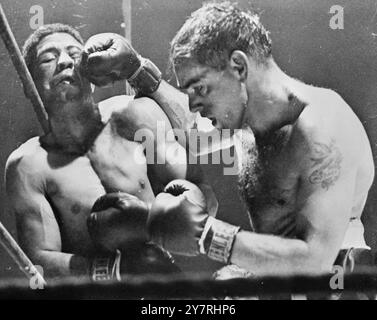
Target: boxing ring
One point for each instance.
(191, 286)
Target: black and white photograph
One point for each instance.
(195, 152)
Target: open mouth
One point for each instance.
(68, 81)
(65, 80)
(213, 121)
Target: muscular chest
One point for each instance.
(72, 188)
(75, 183)
(269, 186)
(120, 164)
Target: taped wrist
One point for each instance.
(106, 268)
(146, 79)
(217, 240)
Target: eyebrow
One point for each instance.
(192, 81)
(46, 49)
(51, 48)
(74, 47)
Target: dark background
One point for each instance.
(303, 45)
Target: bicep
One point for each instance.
(37, 227)
(167, 158)
(325, 213)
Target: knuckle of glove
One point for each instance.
(104, 202)
(172, 223)
(116, 219)
(189, 189)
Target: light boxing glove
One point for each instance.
(179, 222)
(177, 218)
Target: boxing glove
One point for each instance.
(147, 258)
(177, 218)
(117, 219)
(109, 57)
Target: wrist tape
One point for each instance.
(146, 79)
(106, 268)
(217, 239)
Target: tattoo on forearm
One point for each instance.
(326, 163)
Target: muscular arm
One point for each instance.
(166, 158)
(327, 189)
(175, 105)
(37, 228)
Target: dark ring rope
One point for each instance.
(22, 70)
(160, 287)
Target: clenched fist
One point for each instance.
(118, 219)
(177, 218)
(109, 57)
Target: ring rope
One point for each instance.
(190, 286)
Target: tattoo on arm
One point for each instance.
(326, 162)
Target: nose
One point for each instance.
(65, 61)
(194, 104)
(196, 108)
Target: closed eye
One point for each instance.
(47, 58)
(75, 54)
(200, 90)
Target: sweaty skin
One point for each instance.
(309, 183)
(306, 162)
(52, 192)
(53, 181)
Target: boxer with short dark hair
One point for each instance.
(81, 193)
(306, 166)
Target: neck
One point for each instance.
(75, 126)
(275, 100)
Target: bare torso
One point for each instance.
(73, 183)
(271, 182)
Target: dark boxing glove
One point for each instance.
(147, 258)
(116, 220)
(117, 225)
(177, 218)
(109, 57)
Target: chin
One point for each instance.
(69, 93)
(218, 126)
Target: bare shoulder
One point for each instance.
(27, 160)
(329, 134)
(112, 105)
(137, 114)
(328, 118)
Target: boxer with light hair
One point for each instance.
(307, 164)
(80, 195)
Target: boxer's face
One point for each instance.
(55, 73)
(215, 94)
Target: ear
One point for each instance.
(239, 64)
